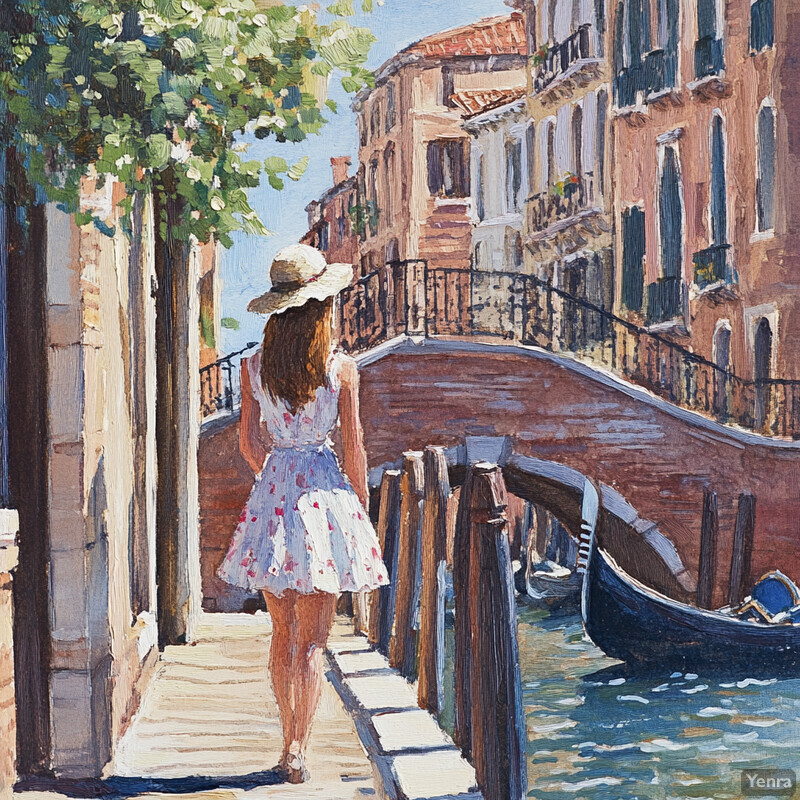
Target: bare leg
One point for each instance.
(314, 620)
(281, 660)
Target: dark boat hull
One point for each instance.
(628, 621)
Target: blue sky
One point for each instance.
(245, 266)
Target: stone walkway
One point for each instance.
(210, 712)
(208, 728)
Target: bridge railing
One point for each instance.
(220, 391)
(414, 298)
(427, 558)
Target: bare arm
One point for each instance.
(253, 438)
(353, 453)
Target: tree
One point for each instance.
(155, 92)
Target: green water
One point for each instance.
(596, 732)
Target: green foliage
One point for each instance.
(157, 93)
(363, 215)
(230, 322)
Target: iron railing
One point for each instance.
(557, 58)
(428, 301)
(547, 208)
(219, 384)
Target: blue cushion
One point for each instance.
(776, 592)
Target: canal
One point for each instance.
(596, 732)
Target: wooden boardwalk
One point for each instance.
(208, 727)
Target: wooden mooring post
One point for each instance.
(497, 715)
(403, 646)
(434, 580)
(462, 721)
(742, 547)
(382, 618)
(707, 569)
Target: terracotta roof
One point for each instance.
(486, 37)
(476, 101)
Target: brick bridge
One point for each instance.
(658, 456)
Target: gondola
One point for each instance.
(631, 622)
(553, 586)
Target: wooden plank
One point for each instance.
(709, 535)
(743, 535)
(388, 529)
(462, 722)
(434, 575)
(402, 651)
(498, 716)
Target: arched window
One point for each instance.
(530, 146)
(665, 297)
(765, 169)
(762, 371)
(577, 141)
(480, 191)
(721, 356)
(552, 176)
(513, 173)
(718, 206)
(600, 144)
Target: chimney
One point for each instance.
(340, 166)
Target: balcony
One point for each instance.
(564, 66)
(708, 57)
(548, 208)
(656, 74)
(665, 300)
(712, 266)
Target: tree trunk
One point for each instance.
(28, 461)
(173, 515)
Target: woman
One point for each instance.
(304, 534)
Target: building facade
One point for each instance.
(568, 221)
(705, 105)
(81, 461)
(496, 122)
(414, 175)
(332, 220)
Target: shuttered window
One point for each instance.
(448, 174)
(633, 246)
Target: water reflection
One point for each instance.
(597, 731)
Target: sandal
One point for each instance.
(296, 768)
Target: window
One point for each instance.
(664, 300)
(577, 141)
(391, 108)
(375, 120)
(600, 145)
(513, 173)
(765, 174)
(718, 206)
(362, 129)
(323, 237)
(552, 177)
(708, 55)
(373, 198)
(762, 24)
(530, 147)
(389, 184)
(633, 249)
(513, 248)
(480, 199)
(448, 175)
(448, 87)
(341, 229)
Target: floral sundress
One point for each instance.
(303, 526)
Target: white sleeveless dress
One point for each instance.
(303, 527)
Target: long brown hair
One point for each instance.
(295, 350)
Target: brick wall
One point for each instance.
(225, 483)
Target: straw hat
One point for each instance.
(300, 273)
